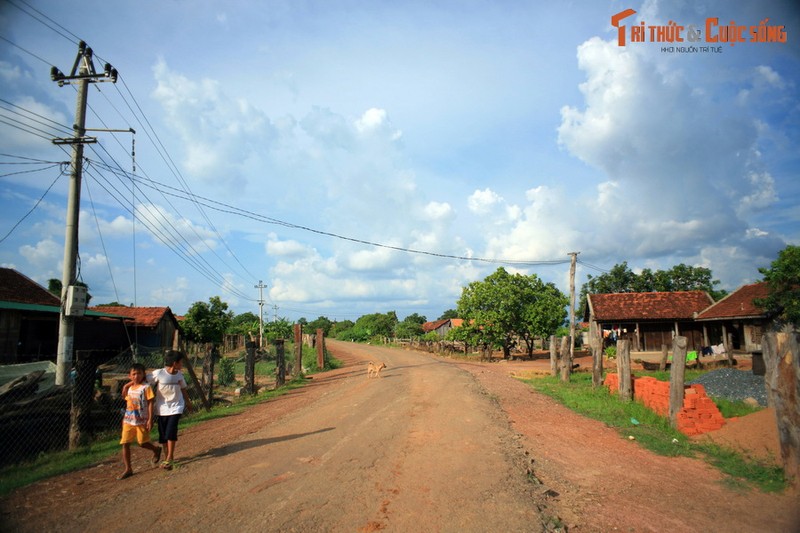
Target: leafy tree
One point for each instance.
(678, 278)
(450, 313)
(505, 307)
(322, 322)
(783, 278)
(410, 327)
(244, 324)
(207, 321)
(544, 310)
(339, 327)
(377, 324)
(278, 329)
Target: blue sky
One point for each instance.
(510, 132)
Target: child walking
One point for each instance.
(171, 401)
(138, 419)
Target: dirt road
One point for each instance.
(423, 448)
(434, 445)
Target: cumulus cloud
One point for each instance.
(220, 135)
(483, 202)
(650, 131)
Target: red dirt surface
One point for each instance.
(350, 454)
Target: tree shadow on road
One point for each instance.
(228, 449)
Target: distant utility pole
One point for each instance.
(260, 288)
(572, 304)
(83, 73)
(275, 315)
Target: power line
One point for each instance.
(230, 209)
(32, 209)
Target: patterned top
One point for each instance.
(136, 407)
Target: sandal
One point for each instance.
(166, 465)
(124, 475)
(156, 456)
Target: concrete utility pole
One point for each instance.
(572, 264)
(83, 73)
(260, 288)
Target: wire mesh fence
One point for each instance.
(37, 416)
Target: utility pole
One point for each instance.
(260, 288)
(275, 315)
(572, 264)
(83, 73)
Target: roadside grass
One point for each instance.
(107, 444)
(654, 432)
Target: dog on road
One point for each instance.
(374, 369)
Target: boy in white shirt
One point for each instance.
(171, 401)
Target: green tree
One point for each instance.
(783, 278)
(503, 308)
(410, 327)
(244, 324)
(678, 278)
(544, 310)
(322, 322)
(450, 313)
(278, 329)
(377, 324)
(339, 327)
(207, 321)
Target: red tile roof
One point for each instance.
(16, 287)
(147, 317)
(431, 326)
(633, 306)
(738, 304)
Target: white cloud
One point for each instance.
(46, 253)
(483, 202)
(221, 136)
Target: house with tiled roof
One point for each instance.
(736, 320)
(648, 319)
(29, 318)
(148, 327)
(441, 327)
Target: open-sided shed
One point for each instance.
(648, 319)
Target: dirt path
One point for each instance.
(425, 448)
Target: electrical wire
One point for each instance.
(32, 209)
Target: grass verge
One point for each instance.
(107, 445)
(654, 432)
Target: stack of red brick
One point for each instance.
(698, 415)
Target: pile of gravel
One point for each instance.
(733, 385)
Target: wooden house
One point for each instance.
(647, 319)
(29, 318)
(441, 327)
(736, 320)
(146, 327)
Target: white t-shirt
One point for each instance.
(169, 398)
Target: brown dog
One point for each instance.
(374, 369)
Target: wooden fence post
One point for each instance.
(566, 360)
(187, 364)
(80, 419)
(298, 349)
(280, 363)
(553, 356)
(250, 366)
(676, 379)
(664, 354)
(597, 361)
(624, 369)
(782, 359)
(320, 350)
